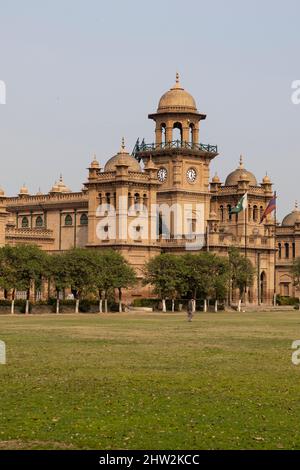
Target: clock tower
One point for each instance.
(182, 161)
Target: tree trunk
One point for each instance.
(216, 306)
(100, 305)
(194, 306)
(27, 307)
(12, 307)
(57, 305)
(164, 308)
(173, 305)
(120, 300)
(299, 303)
(239, 305)
(105, 306)
(77, 306)
(205, 306)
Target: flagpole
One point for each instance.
(245, 230)
(275, 250)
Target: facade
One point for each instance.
(126, 204)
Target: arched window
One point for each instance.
(287, 250)
(177, 131)
(160, 224)
(261, 212)
(279, 250)
(39, 221)
(83, 219)
(222, 213)
(107, 198)
(191, 134)
(163, 134)
(25, 222)
(249, 213)
(229, 212)
(255, 213)
(68, 220)
(294, 250)
(137, 201)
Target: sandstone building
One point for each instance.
(172, 171)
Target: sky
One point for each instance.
(81, 74)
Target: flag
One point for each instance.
(241, 205)
(269, 209)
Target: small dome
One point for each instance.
(62, 188)
(23, 190)
(216, 179)
(122, 158)
(95, 163)
(240, 174)
(293, 217)
(177, 100)
(2, 193)
(266, 179)
(55, 188)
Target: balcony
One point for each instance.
(141, 147)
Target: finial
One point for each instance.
(296, 205)
(177, 77)
(61, 178)
(94, 157)
(123, 145)
(241, 161)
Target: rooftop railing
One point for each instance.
(174, 144)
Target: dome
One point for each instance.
(293, 217)
(23, 190)
(2, 193)
(266, 179)
(122, 158)
(216, 179)
(95, 163)
(62, 187)
(240, 174)
(177, 100)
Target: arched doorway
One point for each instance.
(263, 287)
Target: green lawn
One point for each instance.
(150, 381)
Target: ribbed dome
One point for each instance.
(292, 218)
(95, 163)
(177, 100)
(122, 158)
(23, 190)
(240, 173)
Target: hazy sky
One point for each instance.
(82, 74)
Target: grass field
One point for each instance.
(150, 381)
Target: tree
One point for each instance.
(58, 274)
(241, 272)
(295, 270)
(22, 267)
(32, 266)
(9, 278)
(112, 272)
(80, 273)
(164, 273)
(205, 276)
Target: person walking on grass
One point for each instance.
(190, 309)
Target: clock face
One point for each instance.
(162, 174)
(191, 175)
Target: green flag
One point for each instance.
(241, 205)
